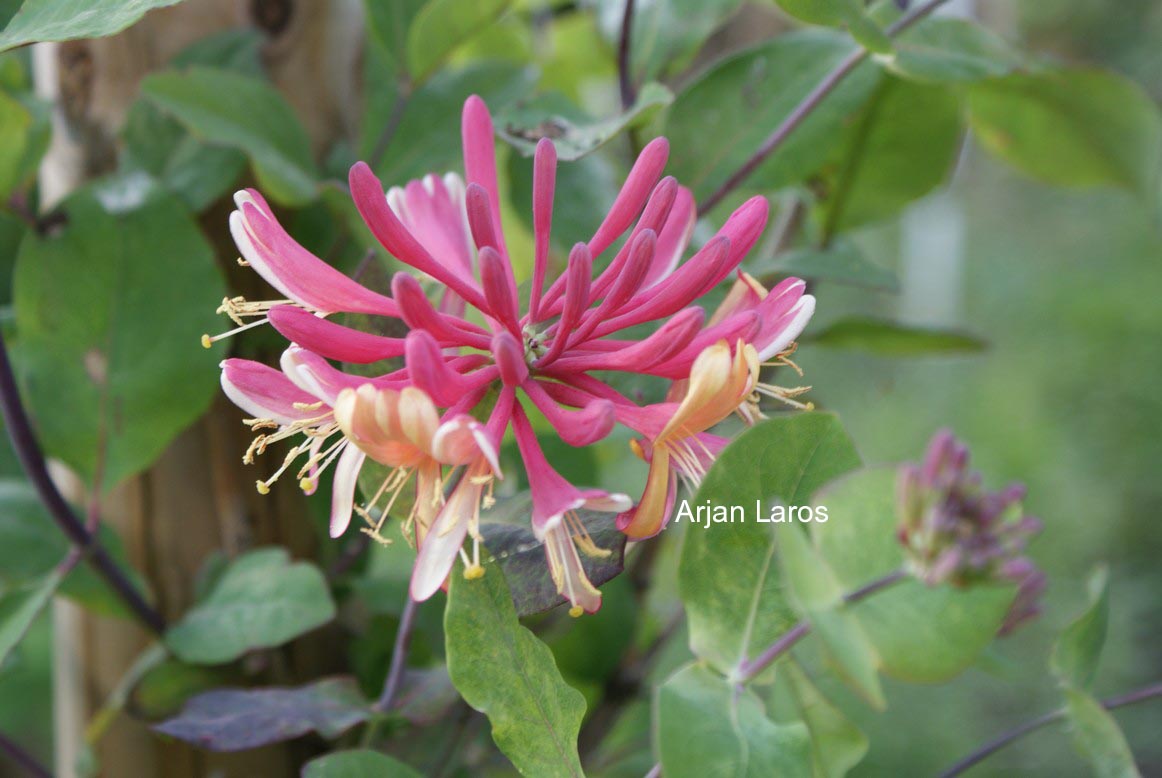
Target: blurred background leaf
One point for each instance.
(123, 367)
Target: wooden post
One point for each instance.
(198, 497)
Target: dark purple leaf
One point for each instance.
(522, 557)
(238, 719)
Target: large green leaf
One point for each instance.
(60, 20)
(260, 600)
(890, 339)
(443, 25)
(1098, 737)
(231, 109)
(19, 607)
(901, 146)
(108, 328)
(360, 763)
(1071, 127)
(573, 134)
(719, 121)
(816, 594)
(836, 743)
(923, 634)
(946, 50)
(507, 673)
(728, 577)
(706, 728)
(1075, 657)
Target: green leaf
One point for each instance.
(667, 34)
(261, 600)
(24, 136)
(850, 13)
(719, 121)
(842, 261)
(197, 172)
(705, 727)
(388, 21)
(1071, 127)
(728, 578)
(62, 20)
(1075, 657)
(443, 25)
(163, 690)
(241, 719)
(108, 327)
(574, 134)
(19, 608)
(1098, 737)
(901, 146)
(945, 50)
(230, 109)
(816, 594)
(360, 763)
(428, 136)
(837, 744)
(505, 672)
(890, 339)
(237, 49)
(922, 634)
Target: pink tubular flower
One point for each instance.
(478, 348)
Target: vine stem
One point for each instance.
(809, 103)
(624, 45)
(783, 644)
(31, 458)
(1032, 725)
(23, 758)
(399, 652)
(393, 121)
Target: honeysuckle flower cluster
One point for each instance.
(954, 531)
(477, 358)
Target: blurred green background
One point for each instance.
(1065, 286)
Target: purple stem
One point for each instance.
(1032, 725)
(809, 104)
(624, 77)
(399, 652)
(23, 758)
(31, 458)
(783, 644)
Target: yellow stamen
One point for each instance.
(576, 611)
(473, 571)
(263, 487)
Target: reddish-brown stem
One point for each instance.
(31, 458)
